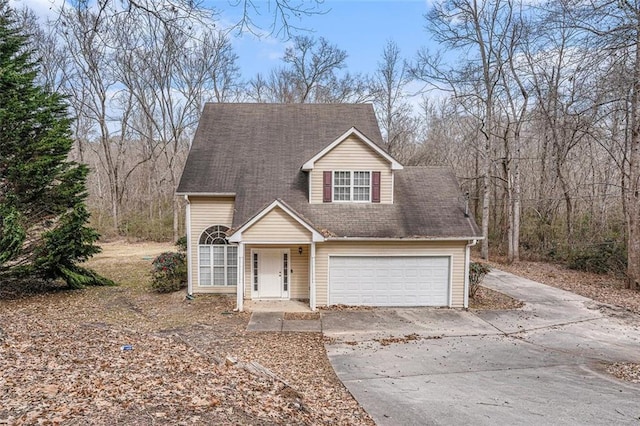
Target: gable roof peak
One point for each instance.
(309, 165)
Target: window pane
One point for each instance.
(232, 275)
(205, 253)
(285, 272)
(361, 185)
(232, 255)
(218, 255)
(255, 271)
(342, 194)
(361, 178)
(341, 186)
(218, 275)
(361, 194)
(205, 276)
(342, 178)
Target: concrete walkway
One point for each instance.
(542, 364)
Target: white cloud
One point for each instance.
(44, 9)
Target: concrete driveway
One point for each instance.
(541, 364)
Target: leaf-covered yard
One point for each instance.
(61, 358)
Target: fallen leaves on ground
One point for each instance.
(305, 316)
(405, 339)
(487, 299)
(64, 359)
(625, 371)
(346, 308)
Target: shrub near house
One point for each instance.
(169, 272)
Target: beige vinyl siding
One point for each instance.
(276, 226)
(454, 249)
(206, 212)
(352, 154)
(299, 265)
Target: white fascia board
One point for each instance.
(309, 165)
(401, 239)
(236, 237)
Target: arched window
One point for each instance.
(216, 234)
(217, 259)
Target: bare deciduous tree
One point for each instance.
(311, 73)
(391, 101)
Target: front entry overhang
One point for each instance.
(237, 235)
(275, 225)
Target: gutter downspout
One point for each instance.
(189, 266)
(467, 259)
(240, 278)
(312, 277)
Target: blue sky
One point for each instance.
(361, 27)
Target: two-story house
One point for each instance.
(300, 201)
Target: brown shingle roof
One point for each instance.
(256, 151)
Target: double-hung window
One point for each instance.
(217, 259)
(351, 186)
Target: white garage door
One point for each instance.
(389, 281)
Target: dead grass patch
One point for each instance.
(61, 360)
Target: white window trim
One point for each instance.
(351, 186)
(226, 265)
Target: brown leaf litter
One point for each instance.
(126, 355)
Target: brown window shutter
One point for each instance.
(326, 187)
(375, 187)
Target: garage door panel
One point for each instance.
(389, 280)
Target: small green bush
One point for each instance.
(603, 258)
(477, 272)
(169, 272)
(182, 244)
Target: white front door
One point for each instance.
(273, 274)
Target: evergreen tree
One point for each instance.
(43, 218)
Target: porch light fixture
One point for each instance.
(300, 250)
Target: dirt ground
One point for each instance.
(126, 355)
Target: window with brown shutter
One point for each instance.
(375, 187)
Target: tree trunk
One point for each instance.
(633, 195)
(486, 195)
(176, 218)
(516, 203)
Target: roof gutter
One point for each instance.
(403, 239)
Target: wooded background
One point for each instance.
(536, 106)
